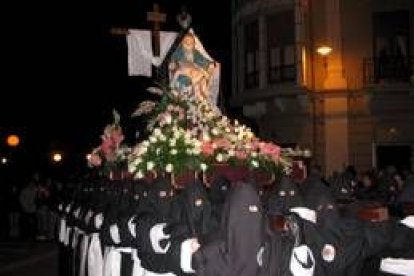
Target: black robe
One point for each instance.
(353, 241)
(238, 250)
(155, 213)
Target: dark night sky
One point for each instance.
(63, 72)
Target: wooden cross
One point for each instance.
(156, 17)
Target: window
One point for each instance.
(281, 47)
(391, 46)
(251, 36)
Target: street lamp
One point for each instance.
(57, 157)
(324, 51)
(13, 140)
(4, 160)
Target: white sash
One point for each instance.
(95, 257)
(137, 269)
(112, 266)
(84, 254)
(62, 230)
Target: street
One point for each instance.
(28, 258)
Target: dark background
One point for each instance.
(63, 72)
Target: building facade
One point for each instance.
(350, 104)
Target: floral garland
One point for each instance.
(190, 133)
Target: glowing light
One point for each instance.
(4, 160)
(57, 157)
(324, 50)
(392, 130)
(13, 140)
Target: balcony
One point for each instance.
(387, 70)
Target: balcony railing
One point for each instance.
(388, 69)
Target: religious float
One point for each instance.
(188, 136)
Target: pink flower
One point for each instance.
(95, 160)
(256, 145)
(270, 150)
(241, 154)
(223, 143)
(117, 136)
(207, 148)
(107, 147)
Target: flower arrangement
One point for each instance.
(187, 132)
(111, 154)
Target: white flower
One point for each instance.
(153, 139)
(197, 143)
(157, 131)
(249, 135)
(255, 163)
(176, 134)
(145, 143)
(135, 162)
(168, 119)
(189, 151)
(203, 167)
(169, 167)
(131, 168)
(173, 152)
(158, 151)
(163, 138)
(173, 142)
(150, 165)
(219, 157)
(231, 152)
(196, 151)
(187, 135)
(254, 154)
(139, 175)
(215, 131)
(206, 137)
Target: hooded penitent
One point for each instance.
(159, 198)
(238, 252)
(218, 193)
(196, 209)
(340, 244)
(284, 197)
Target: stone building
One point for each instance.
(334, 76)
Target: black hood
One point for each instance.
(242, 224)
(160, 197)
(196, 208)
(285, 196)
